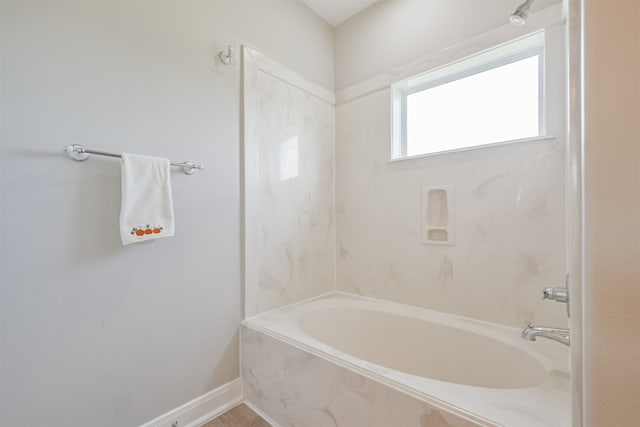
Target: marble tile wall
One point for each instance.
(289, 192)
(299, 389)
(509, 213)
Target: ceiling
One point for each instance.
(336, 12)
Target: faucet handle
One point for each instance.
(557, 294)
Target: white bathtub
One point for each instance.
(482, 372)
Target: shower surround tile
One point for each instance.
(299, 389)
(289, 190)
(509, 216)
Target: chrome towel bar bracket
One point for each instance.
(79, 153)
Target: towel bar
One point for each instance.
(78, 152)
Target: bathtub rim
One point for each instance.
(424, 314)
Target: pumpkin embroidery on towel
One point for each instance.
(141, 231)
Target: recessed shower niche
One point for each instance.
(437, 215)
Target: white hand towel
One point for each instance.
(146, 211)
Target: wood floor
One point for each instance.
(240, 416)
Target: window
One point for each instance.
(486, 99)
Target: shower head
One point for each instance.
(520, 15)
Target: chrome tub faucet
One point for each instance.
(560, 335)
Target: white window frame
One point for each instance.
(507, 53)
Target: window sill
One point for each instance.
(475, 147)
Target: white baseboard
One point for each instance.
(202, 409)
(264, 416)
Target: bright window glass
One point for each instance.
(495, 96)
(499, 104)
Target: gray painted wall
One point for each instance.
(94, 333)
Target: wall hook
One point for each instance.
(226, 57)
